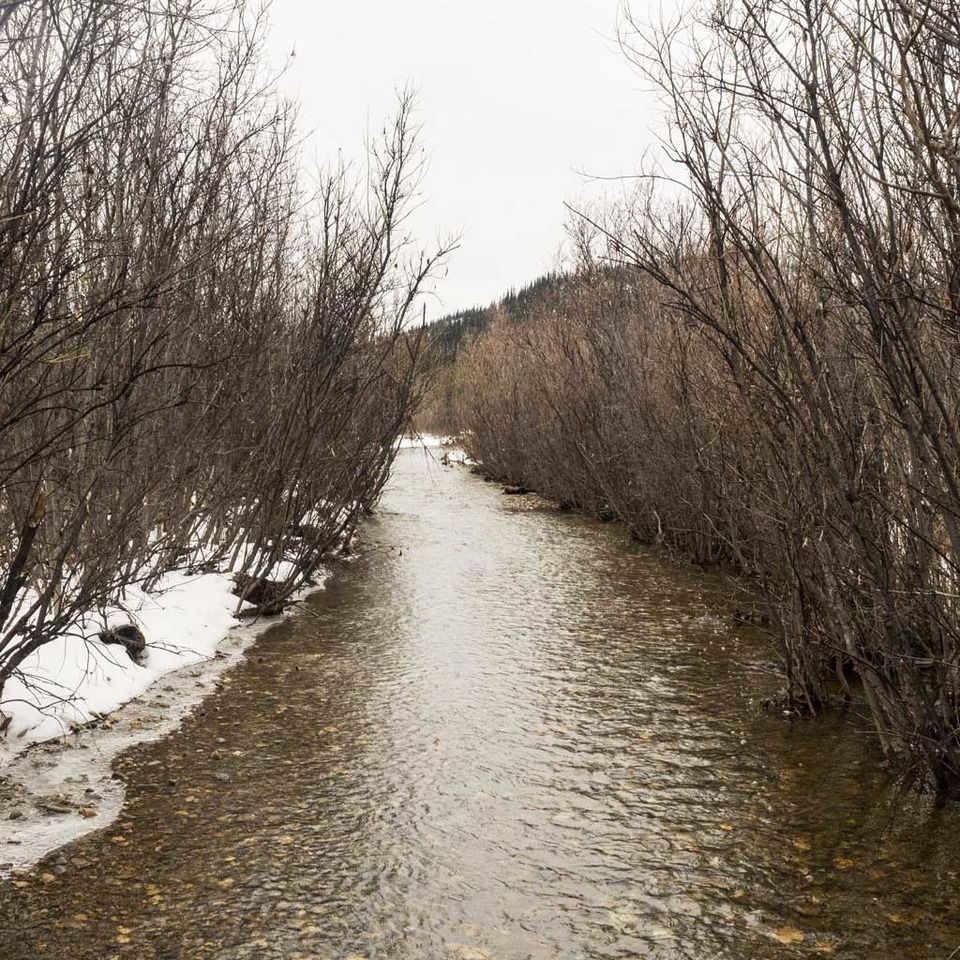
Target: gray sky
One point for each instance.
(516, 99)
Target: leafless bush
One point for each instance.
(200, 359)
(776, 385)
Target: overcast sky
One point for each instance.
(518, 99)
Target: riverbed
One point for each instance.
(503, 733)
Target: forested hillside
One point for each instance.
(445, 338)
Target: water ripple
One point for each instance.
(504, 733)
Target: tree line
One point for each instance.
(201, 351)
(757, 359)
(444, 338)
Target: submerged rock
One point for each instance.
(751, 617)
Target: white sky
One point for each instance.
(516, 98)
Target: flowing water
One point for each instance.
(503, 732)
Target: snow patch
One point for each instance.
(424, 440)
(74, 679)
(62, 788)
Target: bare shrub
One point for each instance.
(764, 370)
(201, 359)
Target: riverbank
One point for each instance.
(76, 680)
(56, 777)
(80, 704)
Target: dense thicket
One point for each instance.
(200, 359)
(769, 375)
(443, 340)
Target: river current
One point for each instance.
(502, 733)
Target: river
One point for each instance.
(502, 733)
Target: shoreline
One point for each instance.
(56, 759)
(55, 790)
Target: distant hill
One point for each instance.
(446, 335)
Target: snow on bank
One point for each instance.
(458, 455)
(424, 440)
(75, 679)
(62, 788)
(454, 453)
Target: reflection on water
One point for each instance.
(502, 733)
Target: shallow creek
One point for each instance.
(502, 733)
